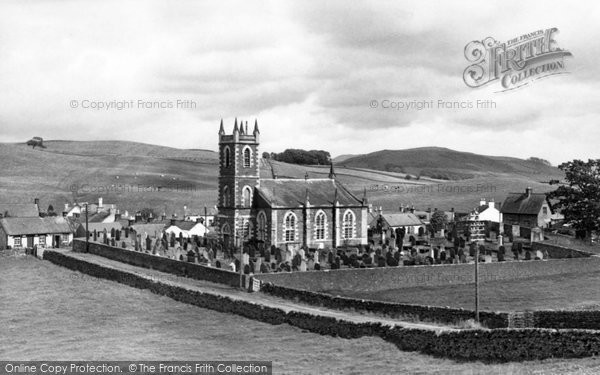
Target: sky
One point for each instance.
(309, 72)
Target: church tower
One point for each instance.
(239, 174)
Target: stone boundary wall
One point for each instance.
(386, 278)
(408, 312)
(559, 252)
(175, 267)
(500, 345)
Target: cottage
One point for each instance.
(527, 209)
(27, 232)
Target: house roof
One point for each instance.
(148, 228)
(184, 225)
(35, 225)
(520, 203)
(98, 217)
(99, 227)
(292, 192)
(401, 219)
(19, 210)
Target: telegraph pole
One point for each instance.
(477, 283)
(87, 232)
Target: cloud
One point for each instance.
(307, 71)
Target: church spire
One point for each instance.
(365, 200)
(256, 131)
(235, 126)
(331, 171)
(221, 129)
(242, 127)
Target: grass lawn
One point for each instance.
(51, 313)
(558, 292)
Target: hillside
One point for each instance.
(136, 175)
(443, 163)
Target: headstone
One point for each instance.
(95, 235)
(148, 244)
(112, 242)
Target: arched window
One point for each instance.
(289, 227)
(320, 226)
(227, 157)
(226, 196)
(226, 229)
(246, 230)
(246, 196)
(261, 220)
(348, 224)
(247, 157)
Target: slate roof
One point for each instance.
(519, 203)
(292, 192)
(184, 225)
(19, 210)
(35, 225)
(148, 228)
(99, 227)
(401, 219)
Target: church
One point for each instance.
(289, 213)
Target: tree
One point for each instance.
(50, 210)
(147, 213)
(36, 141)
(579, 198)
(266, 155)
(438, 221)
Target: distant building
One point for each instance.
(528, 210)
(487, 211)
(287, 213)
(20, 209)
(98, 227)
(188, 229)
(27, 232)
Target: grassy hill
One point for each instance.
(443, 163)
(136, 175)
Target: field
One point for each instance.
(53, 313)
(135, 175)
(558, 292)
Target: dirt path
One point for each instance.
(256, 298)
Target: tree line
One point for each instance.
(298, 156)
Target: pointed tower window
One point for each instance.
(227, 157)
(246, 196)
(247, 157)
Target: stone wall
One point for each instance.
(559, 252)
(175, 267)
(385, 278)
(394, 310)
(499, 345)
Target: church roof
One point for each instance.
(292, 192)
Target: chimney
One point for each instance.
(100, 202)
(412, 209)
(138, 217)
(482, 202)
(528, 191)
(452, 209)
(402, 208)
(150, 217)
(36, 201)
(173, 219)
(117, 215)
(163, 217)
(66, 207)
(491, 203)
